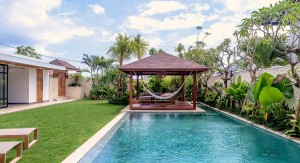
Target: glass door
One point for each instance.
(3, 85)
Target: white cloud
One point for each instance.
(219, 31)
(32, 17)
(242, 5)
(40, 48)
(154, 41)
(97, 9)
(212, 17)
(201, 7)
(149, 25)
(159, 7)
(67, 13)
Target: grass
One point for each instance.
(62, 127)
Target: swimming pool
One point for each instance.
(171, 137)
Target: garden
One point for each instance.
(62, 127)
(268, 38)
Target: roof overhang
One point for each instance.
(24, 61)
(164, 71)
(163, 63)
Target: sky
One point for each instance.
(68, 28)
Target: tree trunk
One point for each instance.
(296, 77)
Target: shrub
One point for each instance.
(75, 79)
(120, 100)
(100, 93)
(295, 131)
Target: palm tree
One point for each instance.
(90, 62)
(122, 49)
(140, 46)
(198, 29)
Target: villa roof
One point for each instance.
(163, 62)
(67, 65)
(24, 61)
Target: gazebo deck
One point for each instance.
(178, 105)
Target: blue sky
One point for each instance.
(69, 28)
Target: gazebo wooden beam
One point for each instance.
(182, 89)
(130, 91)
(194, 91)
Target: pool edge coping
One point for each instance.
(278, 133)
(83, 149)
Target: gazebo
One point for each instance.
(164, 64)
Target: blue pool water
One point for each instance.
(210, 137)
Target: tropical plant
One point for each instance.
(222, 102)
(121, 50)
(75, 79)
(155, 83)
(269, 89)
(152, 51)
(295, 131)
(180, 49)
(237, 91)
(140, 46)
(273, 21)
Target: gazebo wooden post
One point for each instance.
(194, 90)
(137, 87)
(130, 90)
(182, 89)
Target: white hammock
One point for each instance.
(163, 97)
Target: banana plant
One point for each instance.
(269, 89)
(237, 91)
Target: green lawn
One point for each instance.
(62, 127)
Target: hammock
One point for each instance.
(163, 97)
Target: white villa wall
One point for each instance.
(18, 85)
(46, 88)
(246, 76)
(32, 85)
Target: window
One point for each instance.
(3, 85)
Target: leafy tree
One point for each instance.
(224, 57)
(153, 51)
(273, 22)
(204, 57)
(180, 49)
(28, 51)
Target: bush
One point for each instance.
(222, 102)
(279, 118)
(75, 79)
(295, 131)
(100, 93)
(120, 100)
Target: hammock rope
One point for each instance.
(164, 97)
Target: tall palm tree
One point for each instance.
(140, 46)
(122, 49)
